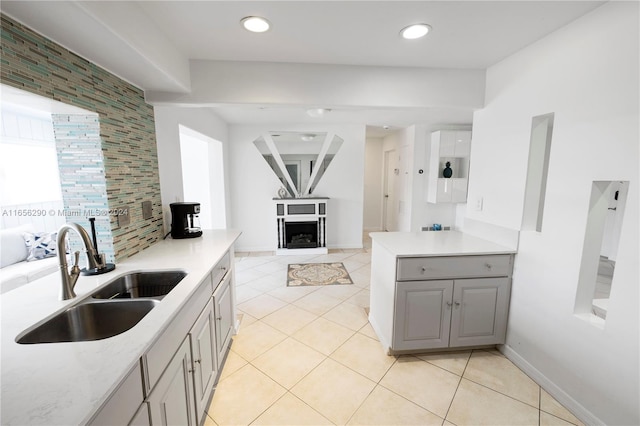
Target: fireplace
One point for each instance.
(301, 234)
(301, 225)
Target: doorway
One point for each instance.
(203, 176)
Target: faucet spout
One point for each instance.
(69, 278)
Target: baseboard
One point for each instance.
(548, 385)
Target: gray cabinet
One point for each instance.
(437, 313)
(223, 310)
(205, 364)
(180, 388)
(172, 400)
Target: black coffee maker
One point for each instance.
(183, 216)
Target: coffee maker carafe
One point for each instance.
(183, 220)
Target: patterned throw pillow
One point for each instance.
(41, 245)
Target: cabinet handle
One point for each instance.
(456, 303)
(488, 266)
(219, 318)
(449, 304)
(191, 370)
(424, 269)
(223, 268)
(198, 361)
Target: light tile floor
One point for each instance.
(308, 356)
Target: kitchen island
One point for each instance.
(438, 290)
(72, 383)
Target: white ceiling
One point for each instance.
(150, 43)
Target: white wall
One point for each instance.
(253, 185)
(412, 150)
(587, 74)
(373, 180)
(168, 119)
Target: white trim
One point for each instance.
(548, 385)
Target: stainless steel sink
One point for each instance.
(156, 284)
(90, 321)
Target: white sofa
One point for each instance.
(15, 268)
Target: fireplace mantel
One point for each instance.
(301, 215)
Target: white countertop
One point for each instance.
(65, 383)
(436, 243)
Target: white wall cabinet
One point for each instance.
(450, 313)
(453, 147)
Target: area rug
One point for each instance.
(301, 274)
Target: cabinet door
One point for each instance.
(462, 143)
(444, 190)
(423, 315)
(171, 402)
(223, 310)
(142, 417)
(205, 365)
(123, 403)
(480, 310)
(458, 190)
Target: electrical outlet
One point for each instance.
(123, 216)
(147, 210)
(479, 203)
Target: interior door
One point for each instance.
(389, 206)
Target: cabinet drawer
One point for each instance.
(221, 268)
(425, 268)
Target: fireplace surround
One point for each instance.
(301, 225)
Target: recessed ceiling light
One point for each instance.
(317, 112)
(255, 24)
(415, 31)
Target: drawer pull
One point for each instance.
(488, 266)
(424, 269)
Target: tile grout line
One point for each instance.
(457, 387)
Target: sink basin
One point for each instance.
(141, 284)
(90, 321)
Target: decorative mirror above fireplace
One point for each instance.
(298, 159)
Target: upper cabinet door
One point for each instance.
(450, 150)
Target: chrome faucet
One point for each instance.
(69, 278)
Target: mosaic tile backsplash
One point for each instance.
(126, 126)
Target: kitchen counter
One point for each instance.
(438, 290)
(66, 383)
(436, 243)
